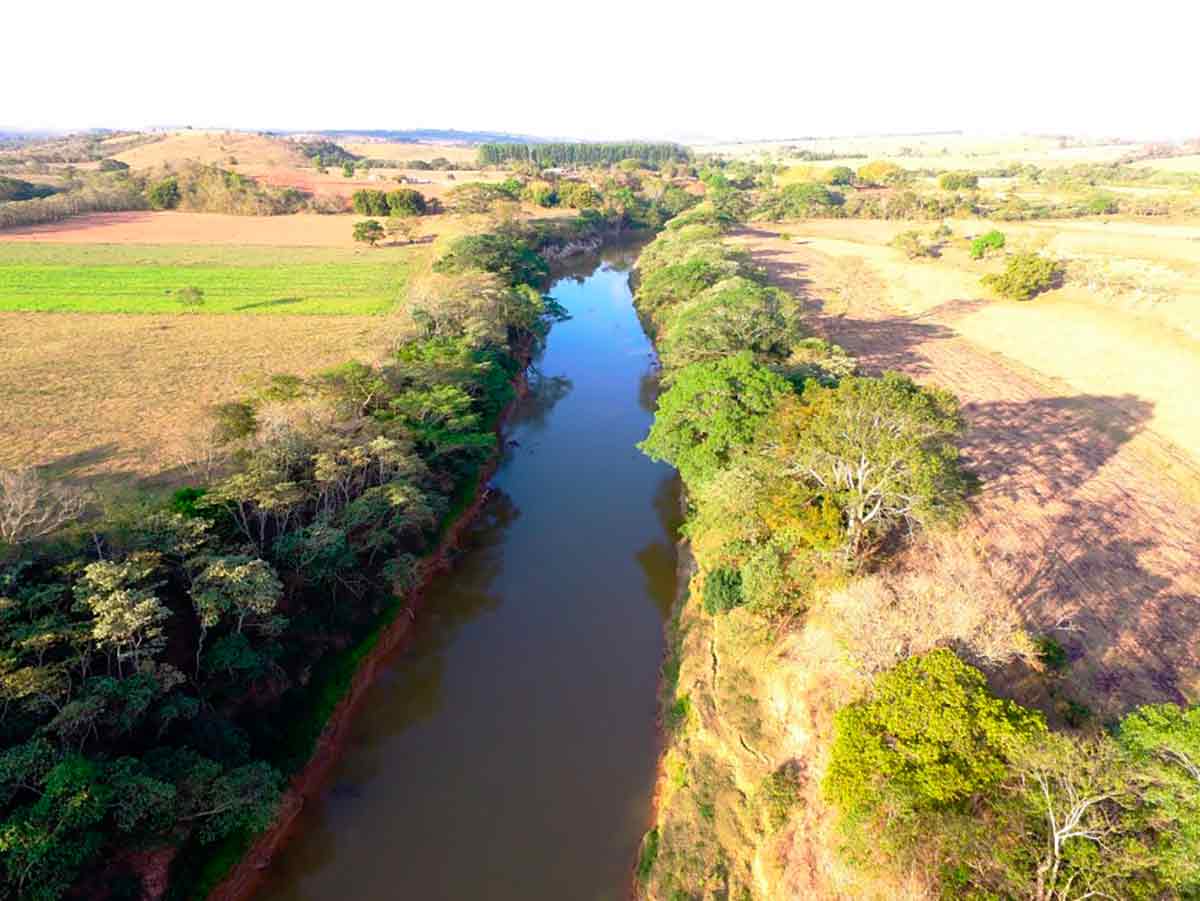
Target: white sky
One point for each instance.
(607, 68)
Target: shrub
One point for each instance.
(1052, 654)
(164, 195)
(190, 297)
(986, 243)
(540, 192)
(405, 202)
(800, 200)
(722, 591)
(881, 172)
(234, 420)
(1101, 203)
(840, 175)
(648, 855)
(1025, 275)
(370, 231)
(578, 195)
(912, 244)
(958, 181)
(930, 734)
(371, 203)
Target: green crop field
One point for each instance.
(119, 278)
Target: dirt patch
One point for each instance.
(144, 227)
(1080, 493)
(114, 399)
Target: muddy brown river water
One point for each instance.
(508, 751)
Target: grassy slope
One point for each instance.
(143, 278)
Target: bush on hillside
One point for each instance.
(799, 200)
(164, 194)
(986, 243)
(722, 591)
(958, 181)
(1025, 275)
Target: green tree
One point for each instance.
(404, 202)
(733, 315)
(127, 615)
(369, 231)
(880, 172)
(840, 175)
(929, 734)
(242, 588)
(958, 181)
(1025, 276)
(986, 243)
(882, 450)
(510, 257)
(710, 410)
(164, 194)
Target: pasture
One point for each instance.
(102, 398)
(132, 278)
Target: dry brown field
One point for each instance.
(213, 148)
(945, 151)
(298, 230)
(147, 227)
(408, 150)
(1081, 427)
(110, 399)
(332, 182)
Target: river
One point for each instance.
(508, 751)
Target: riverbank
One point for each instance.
(242, 881)
(536, 661)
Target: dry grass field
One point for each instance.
(1081, 427)
(938, 151)
(332, 182)
(409, 150)
(147, 227)
(103, 398)
(214, 148)
(299, 230)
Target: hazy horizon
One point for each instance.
(637, 71)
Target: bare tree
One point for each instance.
(1078, 790)
(31, 507)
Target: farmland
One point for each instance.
(130, 278)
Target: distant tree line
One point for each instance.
(567, 154)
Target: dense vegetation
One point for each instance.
(803, 480)
(18, 189)
(165, 667)
(932, 770)
(581, 154)
(102, 193)
(327, 153)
